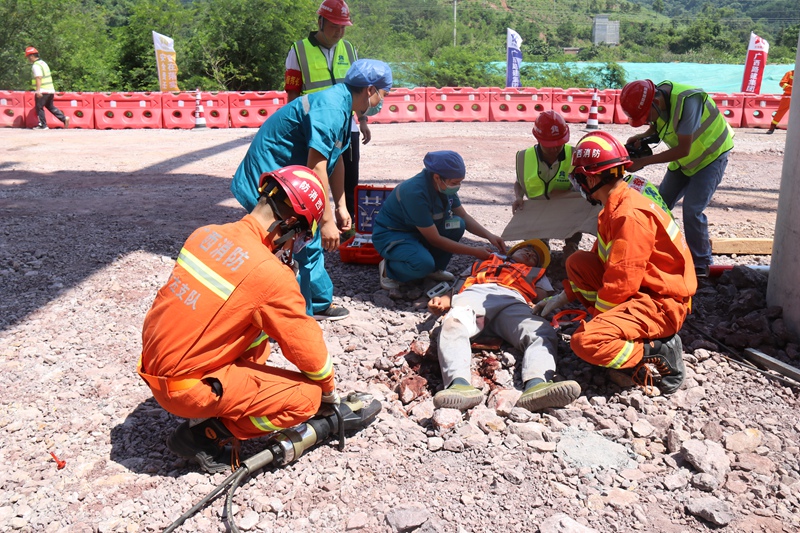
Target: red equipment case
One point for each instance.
(359, 248)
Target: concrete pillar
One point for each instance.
(783, 287)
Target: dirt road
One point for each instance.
(90, 223)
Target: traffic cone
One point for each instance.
(199, 118)
(591, 122)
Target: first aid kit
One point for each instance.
(359, 247)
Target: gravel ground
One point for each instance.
(91, 222)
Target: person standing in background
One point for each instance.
(44, 88)
(321, 61)
(786, 84)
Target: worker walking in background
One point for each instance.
(421, 222)
(545, 167)
(786, 84)
(321, 61)
(638, 280)
(205, 339)
(44, 89)
(314, 130)
(496, 298)
(699, 140)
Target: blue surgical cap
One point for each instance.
(366, 72)
(446, 163)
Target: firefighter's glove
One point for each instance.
(550, 304)
(331, 397)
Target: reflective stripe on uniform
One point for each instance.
(603, 306)
(324, 373)
(590, 296)
(205, 275)
(603, 248)
(623, 356)
(259, 340)
(263, 424)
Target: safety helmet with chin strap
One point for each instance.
(601, 155)
(551, 130)
(298, 201)
(635, 100)
(335, 11)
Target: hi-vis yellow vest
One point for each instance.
(47, 79)
(714, 137)
(314, 64)
(530, 180)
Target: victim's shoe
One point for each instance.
(457, 396)
(549, 394)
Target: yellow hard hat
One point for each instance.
(541, 249)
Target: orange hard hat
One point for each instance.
(30, 51)
(635, 99)
(335, 11)
(551, 130)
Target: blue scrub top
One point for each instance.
(415, 203)
(319, 120)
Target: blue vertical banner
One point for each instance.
(513, 58)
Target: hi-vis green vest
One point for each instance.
(714, 137)
(530, 180)
(314, 64)
(646, 188)
(47, 79)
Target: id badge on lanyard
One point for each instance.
(452, 223)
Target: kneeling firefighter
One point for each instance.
(204, 341)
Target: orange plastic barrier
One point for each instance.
(457, 104)
(575, 104)
(731, 106)
(758, 110)
(215, 109)
(251, 109)
(116, 111)
(12, 109)
(402, 105)
(79, 107)
(619, 115)
(178, 109)
(519, 104)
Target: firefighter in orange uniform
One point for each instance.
(205, 339)
(638, 280)
(786, 84)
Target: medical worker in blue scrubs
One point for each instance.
(421, 221)
(313, 130)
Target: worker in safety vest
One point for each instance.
(699, 139)
(421, 222)
(638, 280)
(545, 167)
(205, 339)
(321, 61)
(314, 130)
(496, 298)
(44, 89)
(786, 84)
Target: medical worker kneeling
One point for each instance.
(421, 221)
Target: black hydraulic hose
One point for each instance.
(202, 503)
(739, 360)
(243, 473)
(258, 461)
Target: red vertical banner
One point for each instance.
(757, 52)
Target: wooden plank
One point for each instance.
(726, 246)
(772, 363)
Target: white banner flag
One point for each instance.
(165, 59)
(513, 58)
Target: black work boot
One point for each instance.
(205, 443)
(666, 355)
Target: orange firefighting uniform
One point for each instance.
(210, 323)
(637, 282)
(786, 84)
